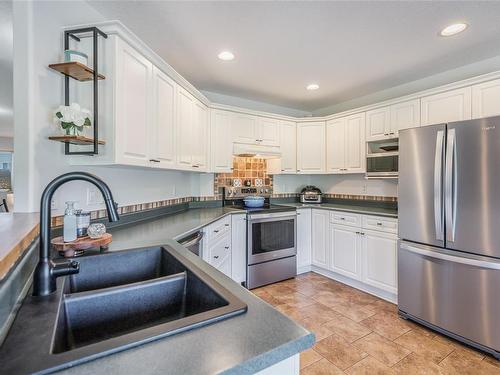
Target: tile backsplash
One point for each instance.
(244, 169)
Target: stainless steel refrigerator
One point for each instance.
(449, 230)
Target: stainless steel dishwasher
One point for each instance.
(193, 243)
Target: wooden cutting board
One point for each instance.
(76, 247)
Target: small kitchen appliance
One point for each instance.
(310, 194)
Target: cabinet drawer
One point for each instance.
(219, 228)
(219, 250)
(345, 218)
(382, 224)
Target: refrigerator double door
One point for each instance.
(449, 186)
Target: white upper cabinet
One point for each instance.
(200, 136)
(255, 130)
(454, 105)
(185, 120)
(133, 102)
(191, 132)
(385, 122)
(162, 135)
(311, 147)
(378, 124)
(221, 142)
(486, 99)
(244, 128)
(288, 143)
(335, 140)
(405, 115)
(346, 144)
(268, 131)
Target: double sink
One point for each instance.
(118, 300)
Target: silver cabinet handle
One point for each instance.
(438, 188)
(226, 247)
(451, 186)
(451, 258)
(379, 223)
(216, 257)
(216, 231)
(154, 160)
(226, 225)
(342, 218)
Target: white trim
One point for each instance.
(391, 297)
(303, 269)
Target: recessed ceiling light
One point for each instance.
(453, 29)
(226, 56)
(312, 87)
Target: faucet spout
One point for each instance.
(46, 272)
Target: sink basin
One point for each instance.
(117, 301)
(119, 268)
(130, 296)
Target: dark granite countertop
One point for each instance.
(243, 344)
(358, 209)
(154, 232)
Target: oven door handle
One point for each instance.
(275, 215)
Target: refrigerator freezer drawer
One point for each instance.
(458, 294)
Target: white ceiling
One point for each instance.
(6, 78)
(350, 49)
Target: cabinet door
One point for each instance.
(404, 115)
(319, 238)
(454, 105)
(288, 146)
(378, 124)
(379, 260)
(486, 99)
(200, 137)
(221, 142)
(355, 149)
(311, 150)
(345, 251)
(184, 127)
(162, 137)
(303, 238)
(219, 253)
(335, 145)
(244, 128)
(268, 131)
(133, 105)
(239, 247)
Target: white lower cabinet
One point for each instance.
(217, 245)
(303, 240)
(319, 238)
(379, 254)
(239, 247)
(360, 250)
(345, 250)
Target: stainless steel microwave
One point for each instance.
(382, 159)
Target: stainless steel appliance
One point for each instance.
(193, 243)
(271, 237)
(449, 228)
(310, 194)
(382, 159)
(271, 248)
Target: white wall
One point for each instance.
(354, 184)
(38, 91)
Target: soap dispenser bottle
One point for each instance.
(69, 225)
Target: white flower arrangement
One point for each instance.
(72, 118)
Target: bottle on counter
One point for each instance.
(69, 222)
(82, 222)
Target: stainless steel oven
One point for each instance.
(272, 249)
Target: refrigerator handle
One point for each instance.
(451, 185)
(438, 186)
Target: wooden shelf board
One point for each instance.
(75, 70)
(75, 139)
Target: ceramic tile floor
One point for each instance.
(357, 333)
